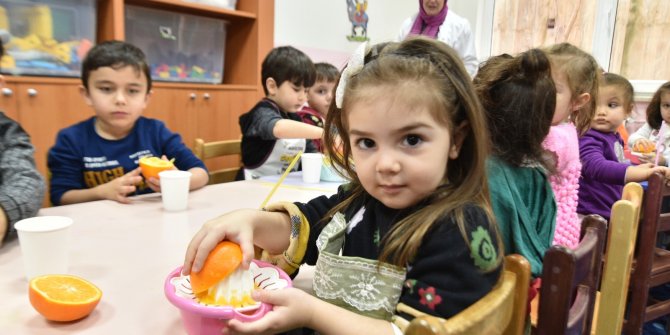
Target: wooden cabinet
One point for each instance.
(45, 105)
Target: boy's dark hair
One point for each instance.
(114, 54)
(654, 117)
(519, 98)
(613, 79)
(326, 72)
(288, 64)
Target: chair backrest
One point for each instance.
(652, 265)
(205, 150)
(502, 311)
(570, 279)
(621, 237)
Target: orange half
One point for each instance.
(63, 297)
(151, 166)
(220, 263)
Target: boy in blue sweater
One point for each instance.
(98, 158)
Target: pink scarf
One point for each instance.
(429, 24)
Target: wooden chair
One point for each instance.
(569, 282)
(621, 236)
(502, 311)
(205, 150)
(652, 265)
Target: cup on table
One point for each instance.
(311, 167)
(174, 189)
(45, 244)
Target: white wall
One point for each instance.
(322, 33)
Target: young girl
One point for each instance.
(658, 112)
(412, 233)
(518, 96)
(575, 75)
(604, 170)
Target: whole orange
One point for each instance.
(151, 166)
(220, 263)
(63, 297)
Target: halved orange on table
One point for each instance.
(63, 297)
(151, 166)
(220, 263)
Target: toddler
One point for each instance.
(413, 232)
(604, 168)
(519, 96)
(653, 132)
(319, 97)
(576, 74)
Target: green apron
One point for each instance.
(360, 285)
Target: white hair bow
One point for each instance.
(354, 66)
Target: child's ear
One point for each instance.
(84, 94)
(271, 85)
(581, 101)
(457, 140)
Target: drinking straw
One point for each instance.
(659, 142)
(281, 179)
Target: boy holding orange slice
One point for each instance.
(98, 158)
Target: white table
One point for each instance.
(127, 251)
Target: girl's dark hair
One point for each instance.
(288, 64)
(654, 117)
(435, 76)
(519, 99)
(114, 54)
(326, 72)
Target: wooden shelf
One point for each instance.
(194, 8)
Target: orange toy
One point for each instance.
(151, 166)
(644, 147)
(220, 263)
(63, 297)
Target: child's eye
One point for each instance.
(133, 91)
(105, 89)
(365, 143)
(612, 105)
(412, 140)
(665, 105)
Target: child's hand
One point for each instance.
(293, 308)
(119, 188)
(647, 158)
(234, 226)
(155, 183)
(644, 146)
(637, 173)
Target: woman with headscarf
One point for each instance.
(435, 20)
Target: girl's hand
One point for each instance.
(235, 226)
(119, 188)
(647, 158)
(644, 146)
(293, 308)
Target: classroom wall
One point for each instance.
(322, 33)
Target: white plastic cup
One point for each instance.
(311, 167)
(174, 189)
(45, 244)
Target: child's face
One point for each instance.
(563, 98)
(320, 95)
(117, 96)
(665, 107)
(611, 110)
(400, 151)
(288, 96)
